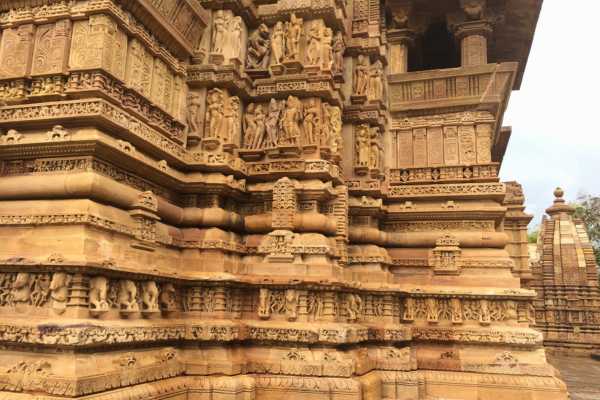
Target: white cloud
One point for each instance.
(556, 114)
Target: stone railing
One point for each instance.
(488, 84)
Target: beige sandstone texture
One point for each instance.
(565, 277)
(268, 199)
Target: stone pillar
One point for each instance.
(400, 40)
(473, 37)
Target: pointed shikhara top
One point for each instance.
(566, 281)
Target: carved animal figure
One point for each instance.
(59, 290)
(127, 296)
(21, 288)
(149, 296)
(97, 293)
(167, 297)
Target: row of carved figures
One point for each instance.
(128, 296)
(41, 289)
(289, 122)
(282, 44)
(368, 79)
(292, 123)
(368, 147)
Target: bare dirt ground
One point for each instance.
(582, 375)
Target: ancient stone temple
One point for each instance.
(565, 278)
(236, 200)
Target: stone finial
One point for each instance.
(559, 205)
(559, 193)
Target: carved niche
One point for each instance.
(228, 32)
(51, 48)
(222, 121)
(15, 51)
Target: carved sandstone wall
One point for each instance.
(256, 200)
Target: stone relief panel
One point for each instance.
(459, 139)
(51, 48)
(99, 43)
(292, 123)
(16, 51)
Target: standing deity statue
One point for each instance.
(335, 129)
(376, 81)
(361, 76)
(290, 120)
(338, 52)
(311, 122)
(235, 38)
(259, 46)
(219, 32)
(259, 119)
(327, 49)
(228, 131)
(362, 145)
(278, 42)
(249, 125)
(193, 117)
(313, 51)
(214, 112)
(293, 34)
(272, 124)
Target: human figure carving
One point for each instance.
(230, 123)
(374, 152)
(362, 145)
(272, 124)
(264, 310)
(214, 112)
(338, 52)
(290, 120)
(375, 86)
(259, 120)
(293, 34)
(313, 51)
(219, 32)
(361, 76)
(258, 48)
(311, 122)
(327, 49)
(291, 304)
(193, 118)
(235, 37)
(278, 42)
(249, 125)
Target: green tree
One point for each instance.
(587, 208)
(532, 236)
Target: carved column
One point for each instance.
(400, 40)
(473, 37)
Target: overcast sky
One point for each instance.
(556, 115)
